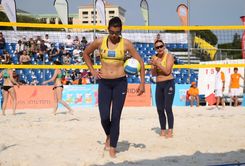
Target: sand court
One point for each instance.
(202, 136)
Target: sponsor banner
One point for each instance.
(138, 101)
(243, 38)
(33, 97)
(10, 10)
(145, 11)
(61, 7)
(81, 95)
(179, 97)
(182, 11)
(100, 6)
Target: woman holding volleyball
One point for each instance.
(112, 79)
(162, 64)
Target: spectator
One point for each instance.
(193, 94)
(76, 41)
(84, 43)
(6, 57)
(47, 42)
(76, 53)
(25, 58)
(67, 59)
(234, 86)
(19, 48)
(2, 43)
(68, 42)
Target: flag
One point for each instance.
(243, 38)
(145, 11)
(61, 7)
(100, 7)
(9, 7)
(182, 11)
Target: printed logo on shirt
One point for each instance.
(111, 54)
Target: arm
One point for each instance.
(153, 67)
(12, 78)
(169, 66)
(130, 48)
(53, 77)
(90, 49)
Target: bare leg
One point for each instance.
(55, 103)
(12, 94)
(217, 101)
(59, 98)
(198, 101)
(107, 143)
(5, 100)
(235, 101)
(191, 101)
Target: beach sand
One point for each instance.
(202, 136)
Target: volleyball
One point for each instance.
(132, 66)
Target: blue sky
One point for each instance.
(162, 12)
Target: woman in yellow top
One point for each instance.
(8, 89)
(234, 85)
(112, 80)
(58, 89)
(193, 92)
(162, 64)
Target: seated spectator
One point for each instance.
(2, 43)
(84, 43)
(25, 58)
(5, 57)
(67, 59)
(47, 42)
(68, 42)
(193, 93)
(76, 53)
(19, 48)
(76, 41)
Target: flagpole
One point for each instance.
(188, 37)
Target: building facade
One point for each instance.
(86, 14)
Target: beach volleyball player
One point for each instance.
(112, 79)
(162, 65)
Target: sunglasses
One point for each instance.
(117, 33)
(161, 46)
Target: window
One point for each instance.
(85, 22)
(111, 12)
(85, 12)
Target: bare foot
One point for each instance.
(169, 133)
(163, 133)
(112, 152)
(107, 143)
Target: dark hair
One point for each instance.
(235, 68)
(57, 62)
(159, 41)
(115, 22)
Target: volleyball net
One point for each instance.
(193, 47)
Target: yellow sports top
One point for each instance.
(109, 55)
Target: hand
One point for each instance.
(44, 82)
(18, 85)
(96, 74)
(223, 88)
(154, 61)
(141, 89)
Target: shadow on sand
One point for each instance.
(233, 158)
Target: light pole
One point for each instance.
(188, 38)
